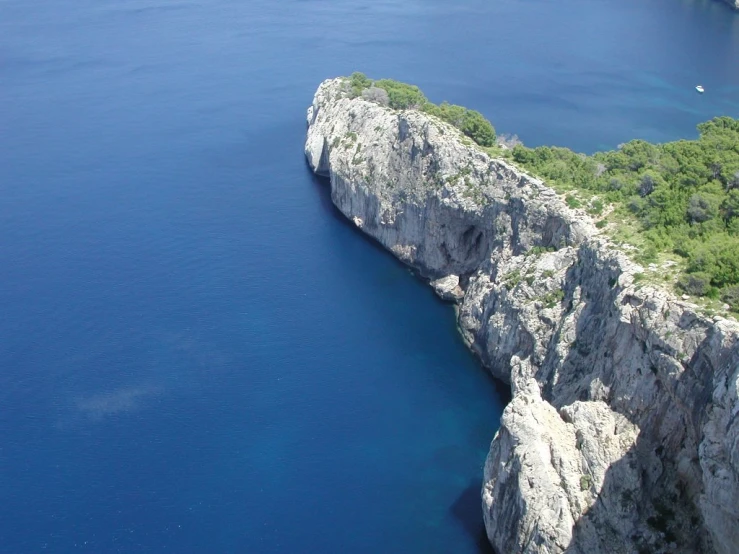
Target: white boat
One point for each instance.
(700, 89)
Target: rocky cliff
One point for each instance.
(621, 435)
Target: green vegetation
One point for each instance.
(539, 250)
(358, 82)
(585, 482)
(401, 96)
(512, 279)
(596, 207)
(679, 199)
(684, 196)
(551, 299)
(572, 201)
(473, 124)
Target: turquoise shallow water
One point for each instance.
(198, 354)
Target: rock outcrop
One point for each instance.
(621, 436)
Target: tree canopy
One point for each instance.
(401, 96)
(684, 195)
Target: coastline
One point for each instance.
(583, 345)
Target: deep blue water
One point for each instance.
(197, 354)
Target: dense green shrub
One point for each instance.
(684, 194)
(402, 96)
(718, 257)
(478, 128)
(572, 201)
(698, 284)
(730, 295)
(358, 82)
(470, 122)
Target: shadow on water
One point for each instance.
(323, 188)
(467, 510)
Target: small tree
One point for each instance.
(701, 208)
(730, 205)
(401, 95)
(697, 284)
(733, 181)
(479, 129)
(358, 82)
(730, 295)
(376, 95)
(647, 184)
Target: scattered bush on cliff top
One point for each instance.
(730, 295)
(402, 96)
(358, 82)
(470, 122)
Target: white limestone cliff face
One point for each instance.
(621, 436)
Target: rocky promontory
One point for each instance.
(622, 432)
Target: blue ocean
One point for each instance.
(197, 353)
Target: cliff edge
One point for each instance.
(621, 436)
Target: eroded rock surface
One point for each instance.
(621, 436)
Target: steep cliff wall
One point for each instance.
(621, 435)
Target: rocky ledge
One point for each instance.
(621, 435)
